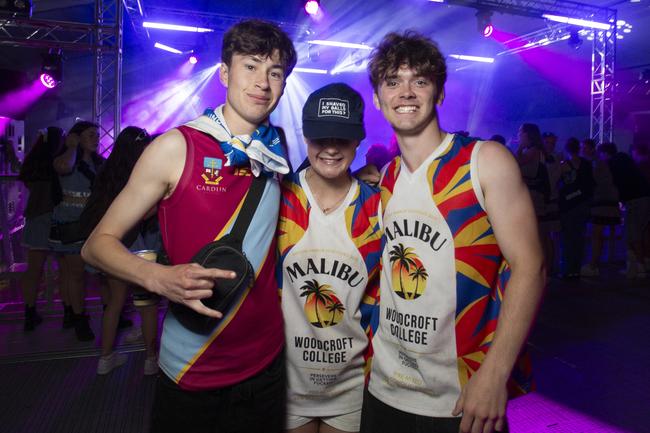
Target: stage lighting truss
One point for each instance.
(603, 57)
(103, 38)
(16, 8)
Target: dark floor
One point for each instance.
(590, 347)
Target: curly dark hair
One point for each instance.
(258, 37)
(411, 49)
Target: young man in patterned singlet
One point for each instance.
(232, 379)
(462, 268)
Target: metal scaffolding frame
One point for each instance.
(603, 60)
(107, 70)
(103, 39)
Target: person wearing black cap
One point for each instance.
(329, 239)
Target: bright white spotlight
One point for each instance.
(577, 22)
(194, 60)
(312, 7)
(167, 48)
(178, 28)
(310, 70)
(473, 58)
(341, 44)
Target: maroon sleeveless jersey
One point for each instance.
(202, 208)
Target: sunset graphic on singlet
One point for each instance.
(322, 307)
(408, 272)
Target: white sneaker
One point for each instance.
(151, 365)
(108, 363)
(589, 270)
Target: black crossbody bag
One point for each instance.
(225, 253)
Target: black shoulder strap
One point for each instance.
(248, 208)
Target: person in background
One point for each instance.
(604, 210)
(634, 193)
(37, 173)
(76, 167)
(641, 155)
(549, 223)
(588, 149)
(576, 192)
(111, 179)
(531, 157)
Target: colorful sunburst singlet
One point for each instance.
(329, 278)
(441, 283)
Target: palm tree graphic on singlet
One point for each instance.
(408, 273)
(321, 304)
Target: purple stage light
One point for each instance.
(312, 7)
(488, 30)
(48, 81)
(194, 60)
(16, 103)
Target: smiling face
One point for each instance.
(330, 158)
(255, 85)
(408, 100)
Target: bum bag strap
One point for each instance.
(248, 208)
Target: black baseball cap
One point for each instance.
(334, 111)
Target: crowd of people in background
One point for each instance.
(587, 186)
(70, 187)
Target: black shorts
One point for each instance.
(255, 405)
(378, 417)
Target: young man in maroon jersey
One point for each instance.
(231, 379)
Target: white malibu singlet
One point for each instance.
(323, 283)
